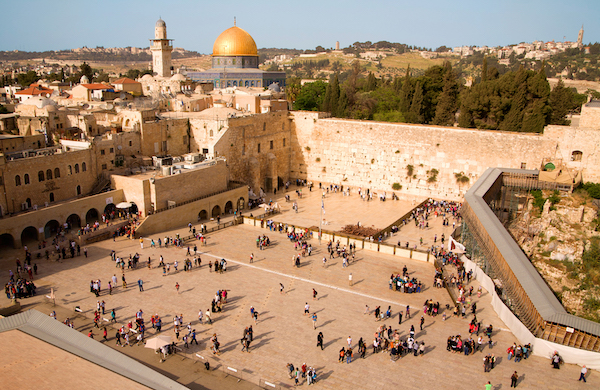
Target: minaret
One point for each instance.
(580, 38)
(161, 50)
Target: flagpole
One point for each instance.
(321, 219)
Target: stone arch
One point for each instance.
(7, 241)
(210, 134)
(74, 221)
(51, 197)
(41, 176)
(83, 167)
(51, 228)
(49, 174)
(29, 235)
(577, 155)
(17, 180)
(28, 201)
(76, 168)
(202, 215)
(92, 216)
(26, 178)
(70, 170)
(56, 173)
(78, 190)
(110, 208)
(216, 211)
(127, 122)
(241, 203)
(228, 207)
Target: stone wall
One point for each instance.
(375, 155)
(572, 140)
(182, 215)
(70, 166)
(172, 131)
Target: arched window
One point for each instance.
(56, 173)
(78, 190)
(70, 170)
(28, 201)
(211, 133)
(26, 177)
(49, 174)
(76, 168)
(17, 180)
(83, 167)
(577, 155)
(52, 197)
(41, 176)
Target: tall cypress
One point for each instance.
(416, 106)
(406, 92)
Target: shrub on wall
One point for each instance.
(396, 186)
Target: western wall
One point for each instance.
(374, 155)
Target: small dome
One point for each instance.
(147, 77)
(275, 87)
(39, 102)
(84, 80)
(50, 108)
(178, 77)
(160, 23)
(235, 42)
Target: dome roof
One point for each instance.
(160, 23)
(147, 77)
(178, 77)
(235, 42)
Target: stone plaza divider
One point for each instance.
(345, 239)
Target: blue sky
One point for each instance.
(36, 25)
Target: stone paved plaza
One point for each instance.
(283, 334)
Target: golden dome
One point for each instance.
(234, 42)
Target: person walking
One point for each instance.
(513, 379)
(488, 386)
(314, 320)
(583, 373)
(320, 340)
(350, 279)
(422, 322)
(281, 288)
(177, 287)
(314, 294)
(141, 284)
(400, 317)
(113, 316)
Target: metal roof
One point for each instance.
(54, 332)
(534, 285)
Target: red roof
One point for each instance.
(96, 86)
(34, 91)
(125, 80)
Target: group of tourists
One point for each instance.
(302, 372)
(19, 288)
(262, 242)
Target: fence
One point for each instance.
(345, 239)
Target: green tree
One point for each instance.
(406, 92)
(415, 114)
(371, 82)
(26, 79)
(310, 97)
(446, 106)
(86, 70)
(561, 103)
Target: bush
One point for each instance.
(396, 186)
(593, 189)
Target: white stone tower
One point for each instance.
(161, 49)
(580, 38)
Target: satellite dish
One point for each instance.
(122, 95)
(119, 147)
(110, 106)
(85, 106)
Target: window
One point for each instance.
(78, 190)
(41, 176)
(130, 143)
(271, 144)
(56, 173)
(49, 174)
(576, 155)
(284, 142)
(102, 152)
(83, 167)
(17, 180)
(70, 170)
(211, 133)
(112, 150)
(104, 166)
(52, 197)
(523, 165)
(76, 168)
(264, 126)
(258, 148)
(164, 146)
(26, 177)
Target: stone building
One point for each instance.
(161, 49)
(235, 63)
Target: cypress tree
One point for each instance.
(326, 106)
(405, 93)
(342, 108)
(335, 95)
(371, 82)
(561, 101)
(446, 108)
(484, 69)
(416, 106)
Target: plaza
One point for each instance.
(283, 334)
